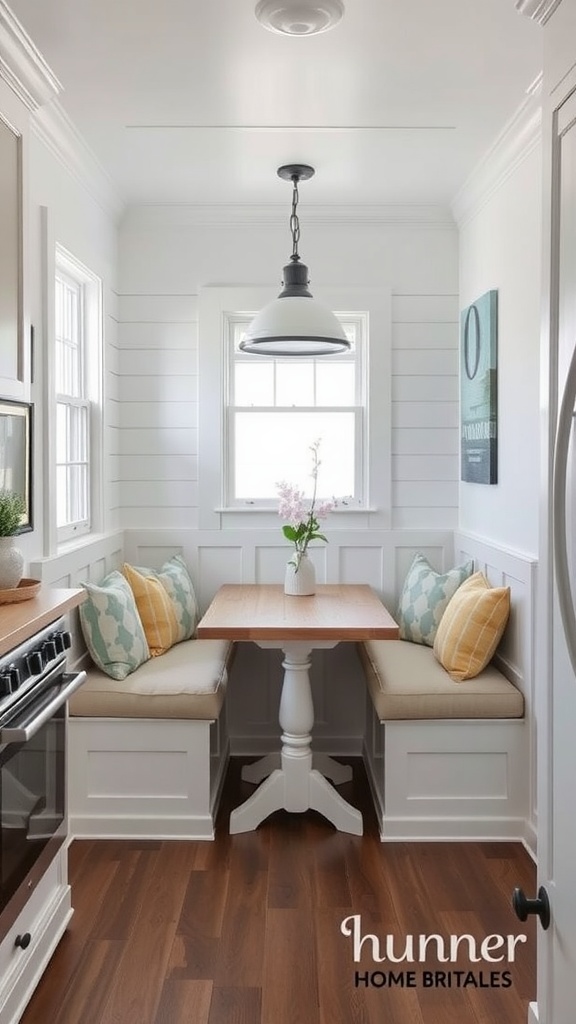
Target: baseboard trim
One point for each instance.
(93, 827)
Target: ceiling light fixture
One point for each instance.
(295, 324)
(299, 17)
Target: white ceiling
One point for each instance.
(190, 102)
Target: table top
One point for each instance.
(340, 611)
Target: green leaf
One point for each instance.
(290, 533)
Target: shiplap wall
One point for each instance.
(154, 436)
(425, 435)
(154, 433)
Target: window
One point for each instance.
(77, 387)
(257, 415)
(277, 407)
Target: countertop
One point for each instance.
(20, 621)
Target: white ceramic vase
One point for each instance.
(300, 582)
(11, 563)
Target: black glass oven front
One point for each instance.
(32, 802)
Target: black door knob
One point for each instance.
(540, 906)
(23, 941)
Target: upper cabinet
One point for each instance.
(26, 82)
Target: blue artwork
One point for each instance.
(478, 390)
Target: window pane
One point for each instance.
(275, 446)
(295, 382)
(68, 338)
(254, 384)
(335, 384)
(61, 432)
(61, 495)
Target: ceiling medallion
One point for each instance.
(539, 10)
(299, 17)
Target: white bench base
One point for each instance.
(448, 779)
(145, 778)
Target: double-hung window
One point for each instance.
(77, 378)
(259, 415)
(277, 408)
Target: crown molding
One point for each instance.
(22, 65)
(229, 215)
(520, 136)
(52, 126)
(538, 10)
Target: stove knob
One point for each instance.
(35, 663)
(58, 640)
(67, 639)
(48, 651)
(14, 676)
(5, 686)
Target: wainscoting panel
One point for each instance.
(504, 568)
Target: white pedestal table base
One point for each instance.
(294, 779)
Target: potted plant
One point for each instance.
(12, 508)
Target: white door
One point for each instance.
(557, 611)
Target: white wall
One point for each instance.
(167, 254)
(75, 220)
(500, 248)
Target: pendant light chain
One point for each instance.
(294, 222)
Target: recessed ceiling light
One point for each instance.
(299, 17)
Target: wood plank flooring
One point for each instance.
(247, 929)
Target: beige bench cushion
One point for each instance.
(189, 681)
(406, 682)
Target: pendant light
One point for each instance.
(295, 324)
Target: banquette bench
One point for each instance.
(148, 753)
(445, 759)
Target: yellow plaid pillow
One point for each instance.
(471, 627)
(156, 610)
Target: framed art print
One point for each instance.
(478, 390)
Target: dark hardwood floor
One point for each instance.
(247, 929)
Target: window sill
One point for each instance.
(348, 510)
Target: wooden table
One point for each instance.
(295, 779)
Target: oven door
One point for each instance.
(33, 784)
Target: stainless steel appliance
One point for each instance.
(34, 689)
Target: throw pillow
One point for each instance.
(424, 599)
(156, 610)
(175, 579)
(472, 627)
(112, 627)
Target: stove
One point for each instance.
(34, 690)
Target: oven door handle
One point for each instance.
(23, 729)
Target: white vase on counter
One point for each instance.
(11, 563)
(300, 581)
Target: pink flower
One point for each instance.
(303, 518)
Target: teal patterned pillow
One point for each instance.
(112, 627)
(175, 579)
(425, 596)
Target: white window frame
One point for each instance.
(70, 268)
(358, 408)
(217, 308)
